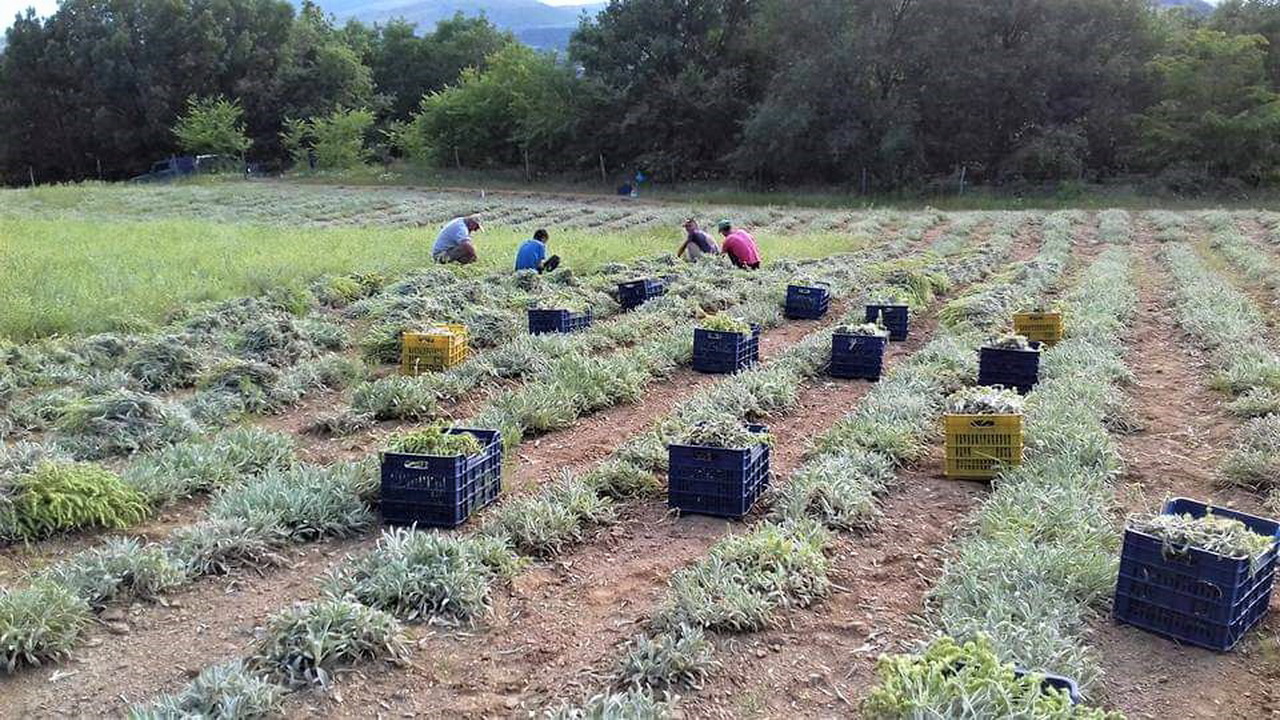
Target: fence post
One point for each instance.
(31, 173)
(604, 178)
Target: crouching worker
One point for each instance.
(739, 246)
(453, 244)
(696, 243)
(532, 254)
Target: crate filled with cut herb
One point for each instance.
(438, 476)
(1010, 361)
(857, 351)
(1195, 573)
(723, 344)
(983, 428)
(439, 347)
(718, 468)
(634, 293)
(807, 300)
(894, 316)
(543, 321)
(1039, 326)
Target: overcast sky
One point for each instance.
(9, 8)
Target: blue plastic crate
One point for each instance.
(440, 491)
(857, 356)
(635, 293)
(717, 481)
(557, 321)
(1197, 597)
(896, 318)
(807, 302)
(1015, 369)
(725, 352)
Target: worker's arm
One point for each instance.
(683, 245)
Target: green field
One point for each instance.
(91, 258)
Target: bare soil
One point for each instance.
(1187, 432)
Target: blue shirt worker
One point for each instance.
(532, 254)
(453, 244)
(696, 243)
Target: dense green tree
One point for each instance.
(1215, 110)
(523, 102)
(672, 79)
(213, 125)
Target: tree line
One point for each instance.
(877, 94)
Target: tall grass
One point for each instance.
(76, 275)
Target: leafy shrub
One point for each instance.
(397, 398)
(218, 546)
(39, 624)
(629, 705)
(275, 340)
(964, 681)
(42, 410)
(418, 576)
(341, 423)
(306, 644)
(837, 490)
(305, 502)
(1255, 461)
(254, 383)
(120, 569)
(542, 524)
(323, 334)
(122, 422)
(229, 690)
(680, 658)
(205, 464)
(163, 363)
(744, 577)
(55, 497)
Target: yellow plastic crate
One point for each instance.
(1045, 327)
(978, 446)
(431, 351)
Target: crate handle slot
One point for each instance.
(417, 465)
(982, 423)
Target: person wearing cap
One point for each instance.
(739, 246)
(696, 243)
(532, 254)
(453, 244)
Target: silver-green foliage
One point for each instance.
(39, 623)
(121, 422)
(426, 577)
(120, 569)
(679, 658)
(629, 705)
(209, 463)
(228, 691)
(305, 645)
(544, 523)
(305, 502)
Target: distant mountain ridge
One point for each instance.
(1195, 7)
(534, 23)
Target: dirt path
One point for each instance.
(1187, 433)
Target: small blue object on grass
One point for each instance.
(717, 481)
(634, 293)
(1191, 595)
(1015, 369)
(557, 321)
(719, 352)
(895, 317)
(805, 302)
(441, 491)
(857, 356)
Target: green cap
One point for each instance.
(725, 225)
